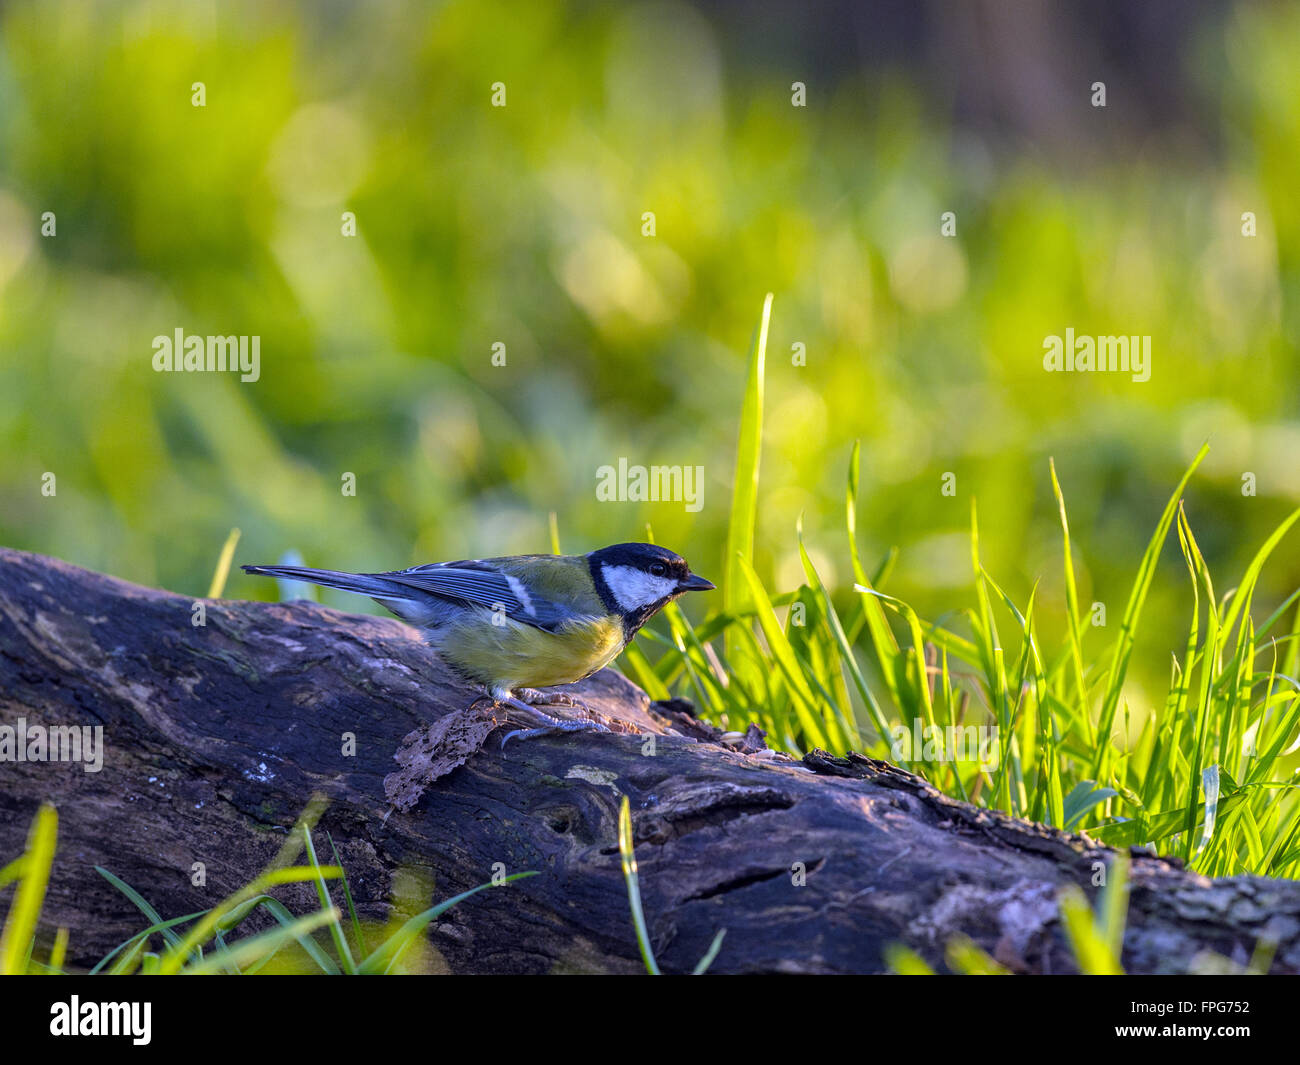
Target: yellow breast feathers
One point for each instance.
(502, 652)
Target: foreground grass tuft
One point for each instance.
(1207, 776)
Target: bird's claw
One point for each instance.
(548, 724)
(537, 697)
(554, 725)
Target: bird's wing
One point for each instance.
(482, 584)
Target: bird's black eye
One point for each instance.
(658, 569)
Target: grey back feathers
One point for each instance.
(481, 584)
(429, 595)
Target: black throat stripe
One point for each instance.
(631, 620)
(602, 587)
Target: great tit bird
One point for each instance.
(516, 624)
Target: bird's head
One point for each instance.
(638, 580)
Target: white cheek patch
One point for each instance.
(634, 588)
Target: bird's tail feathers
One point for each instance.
(372, 584)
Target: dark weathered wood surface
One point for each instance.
(217, 737)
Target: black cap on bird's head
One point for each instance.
(637, 580)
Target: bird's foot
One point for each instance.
(529, 706)
(538, 697)
(553, 726)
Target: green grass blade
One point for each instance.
(1091, 949)
(638, 669)
(805, 703)
(141, 936)
(29, 896)
(1113, 906)
(222, 571)
(882, 636)
(710, 955)
(744, 498)
(323, 895)
(174, 959)
(1132, 613)
(258, 947)
(846, 657)
(141, 904)
(347, 895)
(1245, 591)
(630, 877)
(280, 912)
(387, 953)
(1210, 784)
(1071, 598)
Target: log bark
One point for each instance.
(216, 737)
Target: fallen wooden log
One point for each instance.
(216, 735)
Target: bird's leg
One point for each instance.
(529, 705)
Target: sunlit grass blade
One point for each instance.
(1132, 613)
(13, 870)
(805, 703)
(988, 641)
(130, 959)
(1097, 941)
(29, 896)
(222, 571)
(139, 937)
(1210, 785)
(257, 947)
(59, 951)
(384, 957)
(347, 895)
(174, 959)
(1073, 627)
(744, 498)
(845, 652)
(285, 919)
(904, 961)
(1240, 605)
(631, 878)
(141, 904)
(1029, 667)
(1082, 798)
(702, 966)
(1159, 828)
(1112, 915)
(1286, 726)
(1209, 656)
(847, 659)
(326, 902)
(882, 636)
(965, 957)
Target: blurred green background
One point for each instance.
(523, 225)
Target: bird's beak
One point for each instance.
(696, 583)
